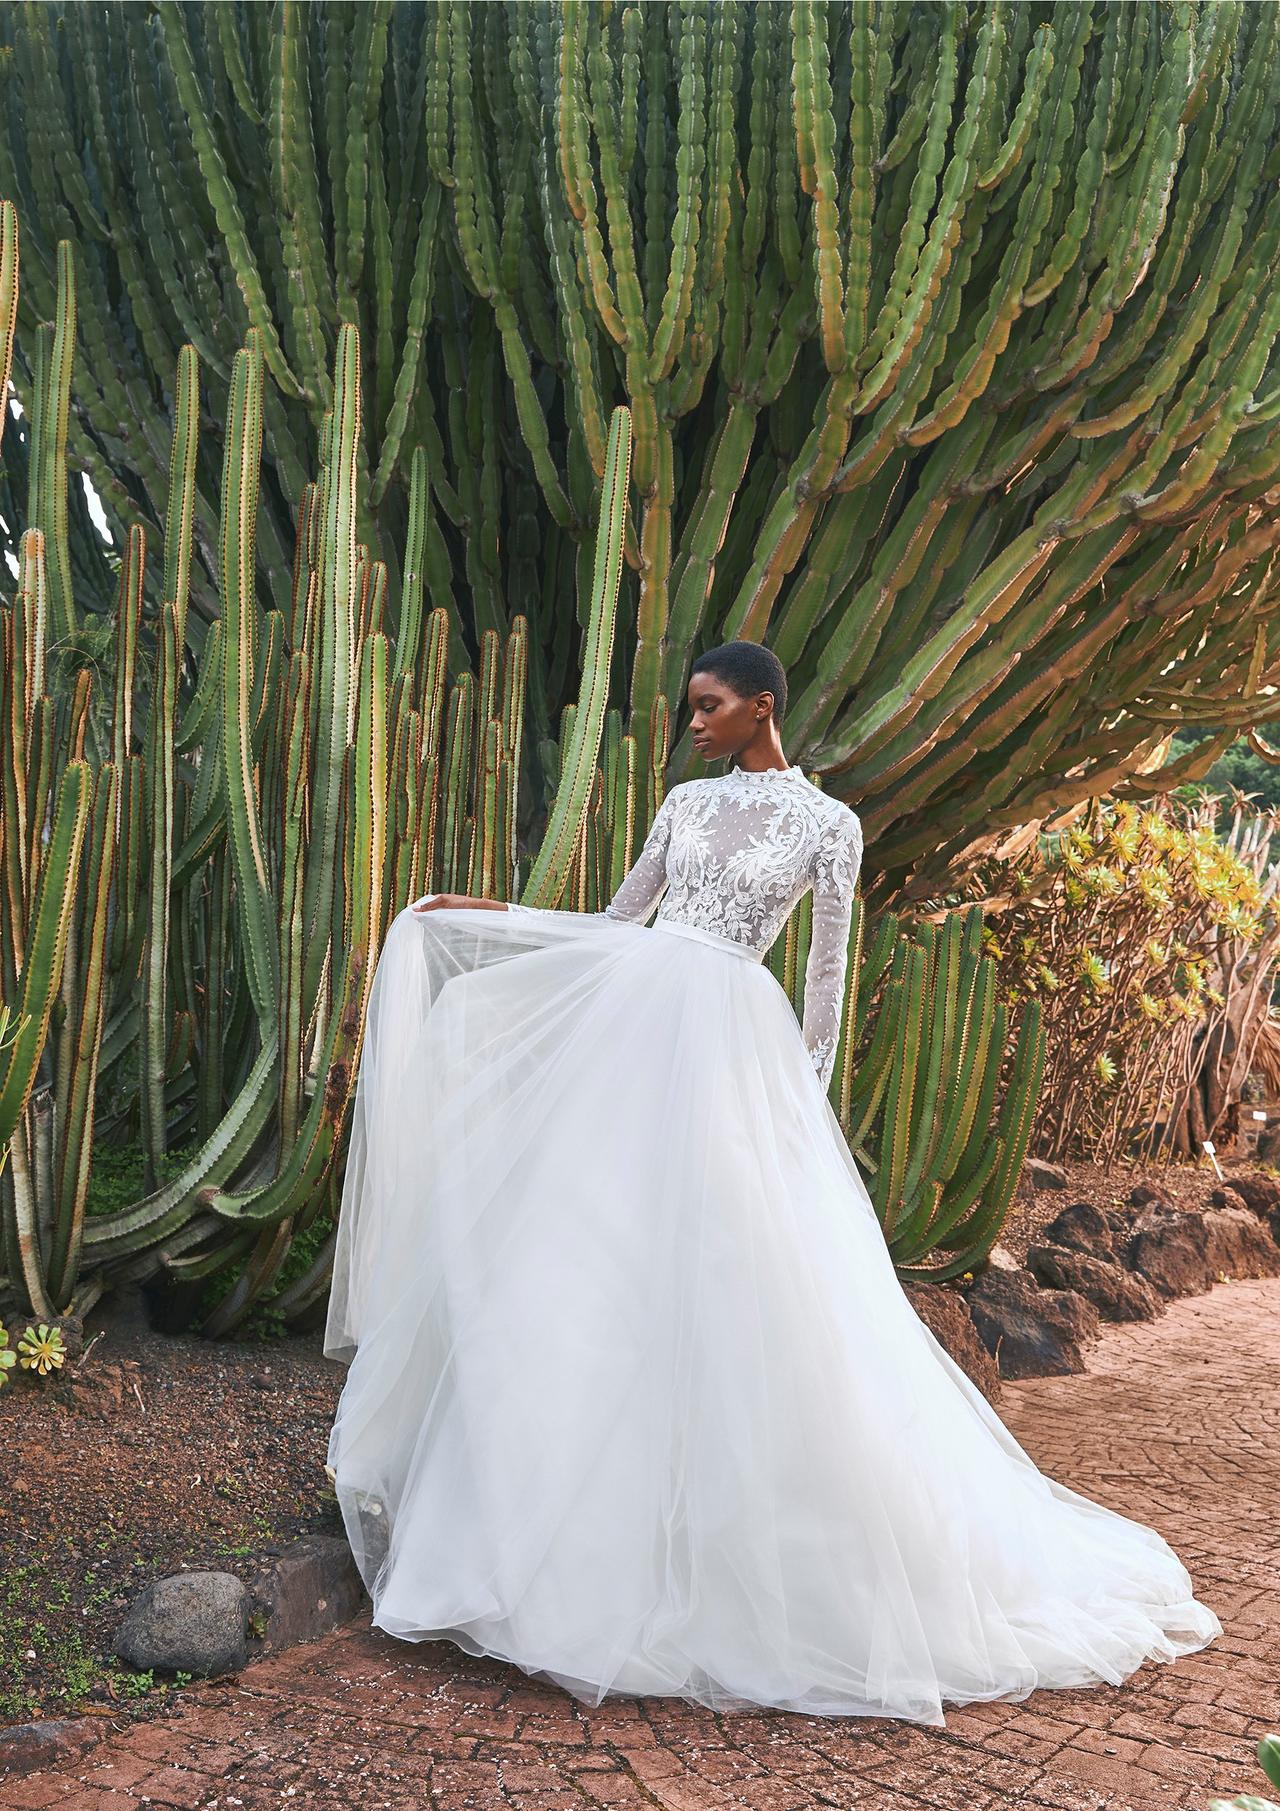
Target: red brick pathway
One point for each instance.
(1177, 1423)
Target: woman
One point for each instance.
(636, 1401)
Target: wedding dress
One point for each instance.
(635, 1399)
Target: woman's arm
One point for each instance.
(431, 902)
(639, 891)
(835, 874)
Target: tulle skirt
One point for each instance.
(635, 1399)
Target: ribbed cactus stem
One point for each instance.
(550, 873)
(8, 302)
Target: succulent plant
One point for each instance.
(41, 1349)
(1269, 1757)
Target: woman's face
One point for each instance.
(722, 722)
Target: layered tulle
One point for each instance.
(636, 1401)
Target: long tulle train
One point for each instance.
(635, 1400)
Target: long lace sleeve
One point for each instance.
(645, 881)
(835, 872)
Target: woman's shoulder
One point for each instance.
(839, 840)
(689, 789)
(835, 814)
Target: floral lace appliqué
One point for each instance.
(732, 854)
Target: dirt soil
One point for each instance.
(1188, 1184)
(150, 1454)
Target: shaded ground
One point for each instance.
(152, 1453)
(1176, 1422)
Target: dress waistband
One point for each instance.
(713, 937)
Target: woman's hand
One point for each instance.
(439, 901)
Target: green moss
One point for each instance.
(30, 1649)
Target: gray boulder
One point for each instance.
(1029, 1331)
(1083, 1227)
(1240, 1245)
(1117, 1294)
(310, 1588)
(193, 1622)
(1172, 1251)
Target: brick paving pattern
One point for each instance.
(1176, 1423)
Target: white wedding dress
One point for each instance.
(635, 1399)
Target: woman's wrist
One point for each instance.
(457, 901)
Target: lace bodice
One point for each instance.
(732, 854)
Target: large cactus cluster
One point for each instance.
(932, 1092)
(199, 856)
(947, 331)
(192, 902)
(190, 912)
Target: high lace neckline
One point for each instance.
(763, 773)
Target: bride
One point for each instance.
(635, 1399)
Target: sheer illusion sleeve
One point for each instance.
(835, 872)
(645, 881)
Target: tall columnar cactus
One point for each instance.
(190, 918)
(937, 1103)
(34, 950)
(8, 301)
(947, 330)
(578, 767)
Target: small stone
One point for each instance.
(1150, 1194)
(308, 1589)
(1226, 1197)
(1171, 1250)
(196, 1622)
(1045, 1175)
(31, 1747)
(1261, 1194)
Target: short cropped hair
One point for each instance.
(747, 667)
